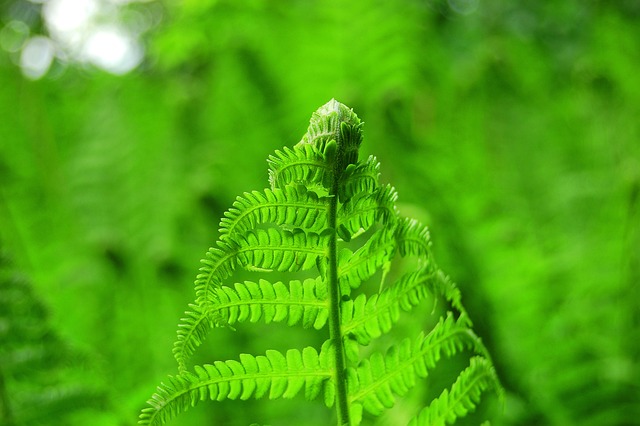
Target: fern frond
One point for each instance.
(463, 396)
(270, 249)
(337, 131)
(446, 288)
(375, 381)
(334, 121)
(292, 206)
(304, 302)
(360, 213)
(303, 165)
(281, 250)
(368, 318)
(273, 375)
(356, 267)
(363, 177)
(42, 375)
(192, 330)
(413, 238)
(321, 197)
(219, 263)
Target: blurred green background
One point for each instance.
(126, 129)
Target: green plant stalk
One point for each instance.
(335, 333)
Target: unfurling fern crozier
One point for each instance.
(326, 213)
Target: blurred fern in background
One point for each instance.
(41, 377)
(510, 129)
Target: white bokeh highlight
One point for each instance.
(37, 56)
(84, 31)
(112, 49)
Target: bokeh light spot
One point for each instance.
(69, 15)
(112, 49)
(13, 36)
(36, 57)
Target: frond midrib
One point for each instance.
(318, 304)
(307, 250)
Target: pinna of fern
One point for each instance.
(326, 211)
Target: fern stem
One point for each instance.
(335, 333)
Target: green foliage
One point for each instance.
(510, 129)
(275, 375)
(319, 191)
(40, 375)
(464, 395)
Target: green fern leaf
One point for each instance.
(192, 331)
(281, 250)
(360, 213)
(374, 382)
(463, 396)
(354, 268)
(292, 206)
(368, 318)
(413, 239)
(270, 249)
(300, 302)
(273, 375)
(303, 165)
(360, 178)
(304, 302)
